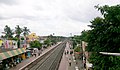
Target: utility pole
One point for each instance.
(71, 34)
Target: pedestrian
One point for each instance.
(40, 52)
(84, 64)
(69, 62)
(34, 52)
(71, 52)
(67, 52)
(76, 62)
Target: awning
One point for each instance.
(108, 53)
(8, 54)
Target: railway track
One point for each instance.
(49, 61)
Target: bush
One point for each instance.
(35, 44)
(22, 38)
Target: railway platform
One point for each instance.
(75, 64)
(31, 59)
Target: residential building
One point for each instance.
(42, 38)
(86, 56)
(32, 37)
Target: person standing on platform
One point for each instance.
(34, 52)
(69, 62)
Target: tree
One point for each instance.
(18, 31)
(105, 31)
(84, 35)
(26, 31)
(77, 49)
(52, 39)
(8, 32)
(104, 37)
(35, 44)
(76, 40)
(47, 42)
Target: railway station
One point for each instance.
(59, 34)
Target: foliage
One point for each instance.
(84, 35)
(8, 32)
(76, 40)
(2, 36)
(104, 37)
(105, 31)
(18, 43)
(14, 38)
(18, 31)
(26, 31)
(47, 42)
(104, 62)
(35, 44)
(74, 43)
(22, 38)
(77, 49)
(53, 41)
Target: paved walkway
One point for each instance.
(64, 64)
(31, 59)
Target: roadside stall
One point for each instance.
(28, 53)
(11, 58)
(23, 56)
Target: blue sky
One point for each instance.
(45, 17)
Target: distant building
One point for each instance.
(10, 44)
(42, 38)
(32, 37)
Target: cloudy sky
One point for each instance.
(45, 17)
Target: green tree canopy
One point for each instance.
(104, 37)
(35, 44)
(77, 49)
(105, 31)
(8, 32)
(47, 42)
(84, 35)
(18, 31)
(25, 31)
